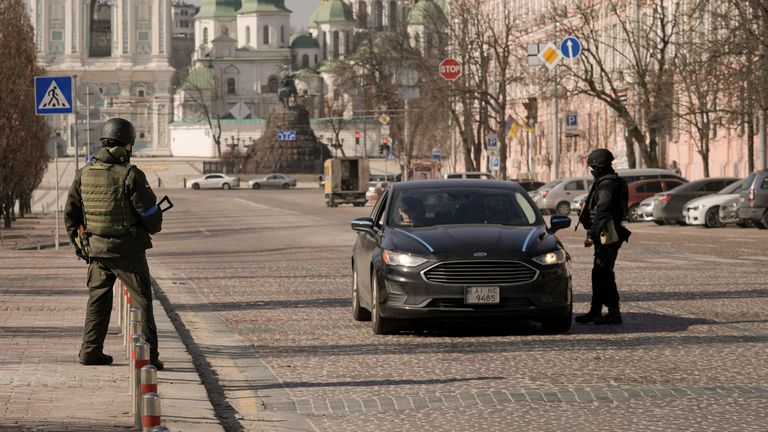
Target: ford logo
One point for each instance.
(480, 254)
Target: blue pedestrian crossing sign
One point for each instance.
(53, 95)
(570, 47)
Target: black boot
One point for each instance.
(592, 315)
(98, 359)
(612, 317)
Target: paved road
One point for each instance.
(261, 283)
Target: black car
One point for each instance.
(451, 249)
(529, 185)
(669, 209)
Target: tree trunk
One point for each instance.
(750, 144)
(631, 156)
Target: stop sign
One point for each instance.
(450, 69)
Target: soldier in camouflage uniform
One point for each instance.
(110, 213)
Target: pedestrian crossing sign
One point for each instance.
(53, 95)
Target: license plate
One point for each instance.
(481, 295)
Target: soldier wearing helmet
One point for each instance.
(110, 214)
(604, 210)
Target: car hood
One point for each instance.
(496, 241)
(711, 200)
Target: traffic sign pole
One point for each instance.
(74, 136)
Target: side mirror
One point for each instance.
(364, 224)
(557, 223)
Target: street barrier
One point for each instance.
(150, 406)
(142, 359)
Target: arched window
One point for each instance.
(417, 41)
(247, 35)
(100, 37)
(336, 45)
(378, 15)
(225, 30)
(282, 34)
(393, 15)
(305, 61)
(316, 59)
(205, 35)
(231, 86)
(265, 38)
(362, 14)
(325, 45)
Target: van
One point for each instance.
(753, 199)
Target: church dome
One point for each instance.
(250, 6)
(426, 12)
(218, 8)
(304, 41)
(331, 11)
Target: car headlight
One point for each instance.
(697, 207)
(550, 258)
(400, 259)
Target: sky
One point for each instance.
(302, 11)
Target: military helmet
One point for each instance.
(119, 130)
(601, 158)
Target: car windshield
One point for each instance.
(442, 206)
(731, 188)
(748, 182)
(551, 184)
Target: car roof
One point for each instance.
(636, 171)
(456, 183)
(654, 180)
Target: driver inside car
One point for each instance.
(411, 211)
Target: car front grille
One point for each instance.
(480, 272)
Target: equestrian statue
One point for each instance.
(287, 87)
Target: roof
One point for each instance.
(454, 183)
(251, 6)
(332, 11)
(218, 8)
(299, 41)
(425, 12)
(199, 77)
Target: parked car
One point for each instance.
(670, 206)
(557, 198)
(644, 210)
(753, 199)
(706, 210)
(214, 181)
(469, 175)
(375, 189)
(641, 189)
(459, 249)
(529, 185)
(274, 180)
(578, 202)
(633, 175)
(729, 213)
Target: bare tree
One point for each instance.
(203, 90)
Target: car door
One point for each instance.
(367, 245)
(274, 180)
(212, 181)
(573, 189)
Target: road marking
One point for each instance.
(206, 233)
(268, 207)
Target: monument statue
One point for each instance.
(287, 87)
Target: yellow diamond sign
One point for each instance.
(550, 55)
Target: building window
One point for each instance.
(305, 61)
(378, 15)
(393, 15)
(362, 14)
(325, 45)
(273, 82)
(57, 35)
(205, 36)
(143, 36)
(265, 38)
(225, 30)
(282, 34)
(336, 45)
(100, 40)
(247, 35)
(230, 86)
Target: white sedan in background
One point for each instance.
(706, 210)
(214, 181)
(274, 180)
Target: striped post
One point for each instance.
(142, 359)
(126, 316)
(133, 373)
(118, 296)
(133, 330)
(150, 406)
(160, 428)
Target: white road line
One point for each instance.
(268, 207)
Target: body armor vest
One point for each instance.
(108, 212)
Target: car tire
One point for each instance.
(256, 186)
(563, 208)
(632, 213)
(285, 186)
(561, 324)
(659, 222)
(359, 313)
(763, 222)
(225, 186)
(380, 325)
(712, 218)
(195, 186)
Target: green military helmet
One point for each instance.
(601, 158)
(118, 130)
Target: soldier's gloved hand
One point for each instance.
(82, 256)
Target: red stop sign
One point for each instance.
(450, 69)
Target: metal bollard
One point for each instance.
(142, 359)
(150, 406)
(133, 330)
(160, 428)
(118, 295)
(148, 379)
(126, 316)
(133, 373)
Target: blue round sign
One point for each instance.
(570, 47)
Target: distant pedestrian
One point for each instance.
(110, 213)
(604, 210)
(676, 168)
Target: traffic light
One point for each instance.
(384, 146)
(357, 138)
(381, 149)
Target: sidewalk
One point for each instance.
(42, 387)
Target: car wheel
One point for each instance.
(712, 218)
(359, 313)
(225, 186)
(559, 324)
(563, 209)
(381, 325)
(763, 222)
(285, 186)
(659, 222)
(195, 186)
(632, 213)
(256, 186)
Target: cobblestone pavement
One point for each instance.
(273, 267)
